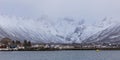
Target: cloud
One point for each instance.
(89, 9)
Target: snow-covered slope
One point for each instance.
(44, 29)
(109, 35)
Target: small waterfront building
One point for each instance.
(3, 45)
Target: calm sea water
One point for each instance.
(60, 55)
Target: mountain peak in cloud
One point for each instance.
(64, 30)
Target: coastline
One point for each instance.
(65, 49)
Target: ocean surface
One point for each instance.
(60, 55)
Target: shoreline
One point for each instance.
(66, 49)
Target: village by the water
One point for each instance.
(7, 44)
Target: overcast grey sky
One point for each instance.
(88, 9)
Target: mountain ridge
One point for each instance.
(65, 30)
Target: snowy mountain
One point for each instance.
(109, 35)
(64, 30)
